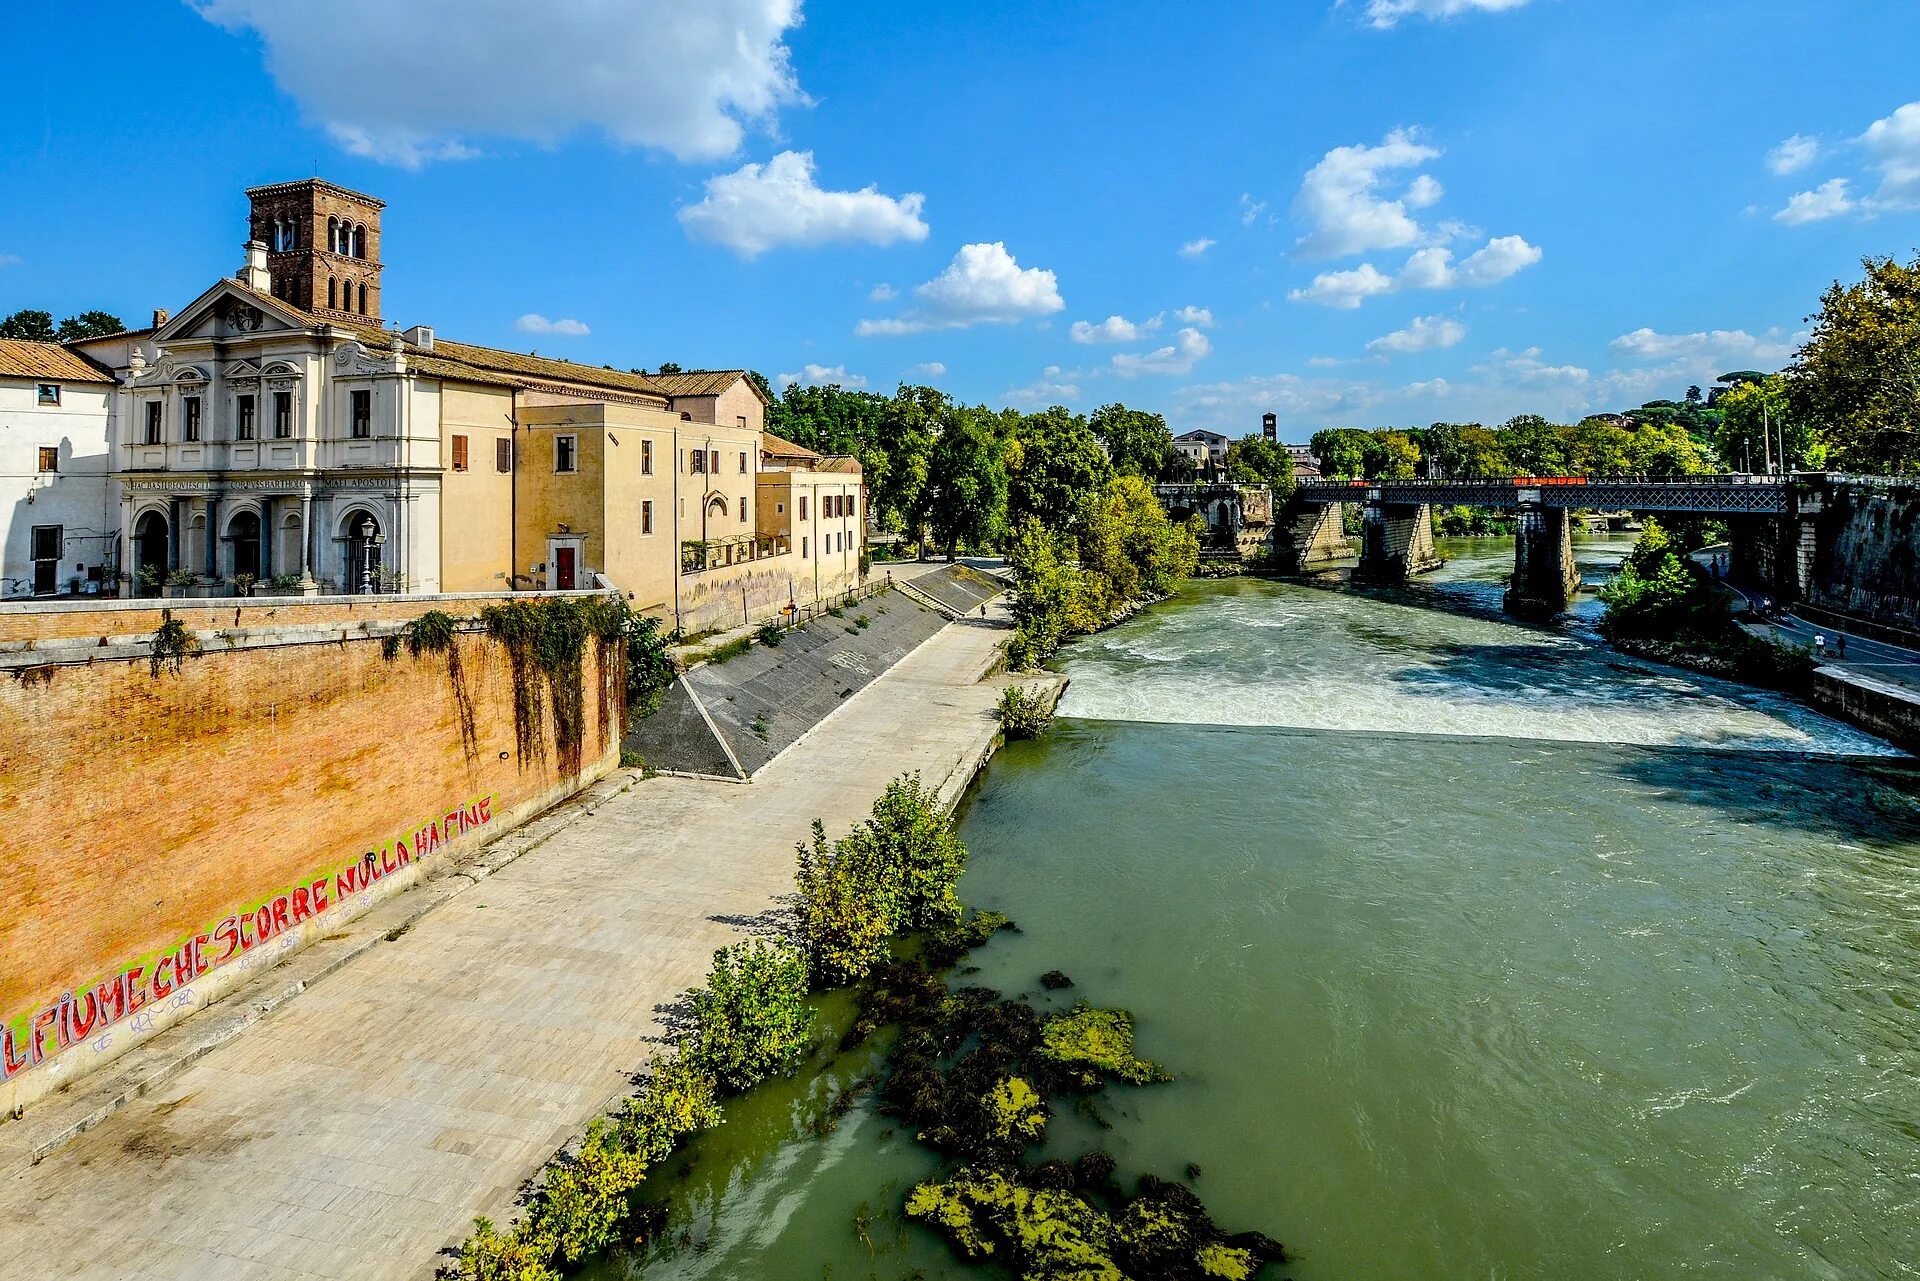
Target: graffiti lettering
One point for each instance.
(87, 1012)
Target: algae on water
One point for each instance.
(1097, 1041)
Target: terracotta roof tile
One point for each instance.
(20, 358)
(698, 382)
(778, 447)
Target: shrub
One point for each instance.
(518, 1255)
(914, 835)
(849, 904)
(1024, 713)
(677, 1100)
(751, 1020)
(583, 1201)
(770, 634)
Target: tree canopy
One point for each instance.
(38, 326)
(1857, 379)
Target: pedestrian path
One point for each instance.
(357, 1130)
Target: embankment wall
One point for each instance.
(166, 829)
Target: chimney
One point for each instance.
(161, 316)
(254, 275)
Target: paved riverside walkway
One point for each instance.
(358, 1129)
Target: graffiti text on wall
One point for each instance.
(164, 981)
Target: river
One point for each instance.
(1479, 953)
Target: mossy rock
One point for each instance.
(1096, 1043)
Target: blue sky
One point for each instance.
(1362, 213)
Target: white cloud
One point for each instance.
(415, 82)
(883, 293)
(1250, 209)
(1828, 200)
(1426, 333)
(1194, 248)
(1385, 14)
(1432, 268)
(982, 285)
(1719, 347)
(1115, 329)
(1793, 155)
(534, 323)
(931, 369)
(762, 207)
(1895, 145)
(1051, 388)
(1342, 203)
(824, 376)
(1189, 348)
(1527, 369)
(1345, 289)
(1199, 317)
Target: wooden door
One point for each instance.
(563, 568)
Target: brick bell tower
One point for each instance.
(323, 246)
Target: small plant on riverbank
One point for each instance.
(171, 643)
(770, 634)
(751, 1020)
(915, 836)
(848, 904)
(650, 670)
(1024, 713)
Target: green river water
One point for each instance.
(1478, 951)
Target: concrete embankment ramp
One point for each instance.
(729, 719)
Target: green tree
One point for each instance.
(1666, 451)
(89, 324)
(1255, 460)
(1342, 452)
(1138, 442)
(751, 1020)
(1758, 422)
(966, 484)
(1055, 466)
(1535, 446)
(29, 325)
(1131, 546)
(1857, 380)
(1391, 455)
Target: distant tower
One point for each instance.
(1270, 427)
(323, 246)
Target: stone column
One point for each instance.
(1396, 543)
(1308, 538)
(1544, 577)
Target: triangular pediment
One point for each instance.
(230, 310)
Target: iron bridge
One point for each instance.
(1739, 495)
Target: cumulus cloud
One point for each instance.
(1189, 348)
(762, 207)
(1719, 347)
(883, 293)
(1115, 329)
(411, 83)
(1432, 268)
(982, 285)
(1528, 369)
(1348, 207)
(823, 376)
(931, 369)
(534, 323)
(1194, 248)
(1793, 155)
(1199, 317)
(1386, 14)
(1829, 200)
(1051, 388)
(1426, 333)
(1894, 143)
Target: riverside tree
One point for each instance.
(1138, 442)
(1858, 377)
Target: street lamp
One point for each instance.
(367, 540)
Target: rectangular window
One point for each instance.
(49, 458)
(743, 462)
(153, 422)
(742, 421)
(646, 458)
(47, 393)
(743, 509)
(46, 543)
(243, 418)
(503, 455)
(362, 415)
(282, 415)
(190, 424)
(699, 462)
(564, 450)
(803, 547)
(646, 516)
(803, 507)
(713, 462)
(459, 453)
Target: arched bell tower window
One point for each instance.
(332, 298)
(360, 243)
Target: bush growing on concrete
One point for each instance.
(677, 1100)
(770, 634)
(649, 669)
(1024, 713)
(583, 1201)
(914, 834)
(519, 1254)
(751, 1020)
(849, 905)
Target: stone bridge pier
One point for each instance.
(1544, 577)
(1308, 538)
(1777, 554)
(1396, 543)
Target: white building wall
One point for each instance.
(78, 497)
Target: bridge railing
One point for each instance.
(1537, 482)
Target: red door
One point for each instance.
(563, 568)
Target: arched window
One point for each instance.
(333, 234)
(363, 300)
(333, 301)
(360, 242)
